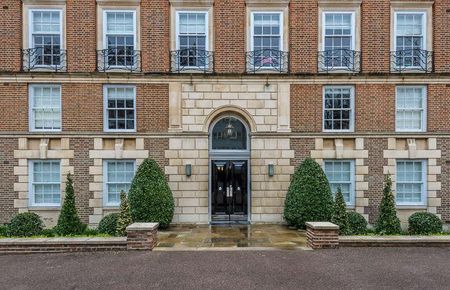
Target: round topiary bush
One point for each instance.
(108, 224)
(309, 197)
(150, 197)
(25, 224)
(357, 224)
(424, 223)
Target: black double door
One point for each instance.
(229, 189)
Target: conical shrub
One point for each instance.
(309, 196)
(124, 216)
(150, 197)
(339, 216)
(69, 222)
(387, 222)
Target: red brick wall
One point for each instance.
(81, 177)
(443, 144)
(375, 37)
(7, 193)
(155, 33)
(375, 178)
(82, 107)
(441, 35)
(438, 114)
(302, 149)
(152, 103)
(14, 108)
(306, 108)
(10, 34)
(375, 108)
(303, 36)
(156, 148)
(229, 25)
(81, 35)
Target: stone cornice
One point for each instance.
(339, 3)
(191, 3)
(118, 2)
(44, 2)
(267, 3)
(411, 4)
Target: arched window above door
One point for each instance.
(229, 133)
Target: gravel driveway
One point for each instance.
(374, 268)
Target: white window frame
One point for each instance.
(31, 29)
(424, 28)
(352, 202)
(105, 23)
(31, 194)
(352, 110)
(424, 193)
(105, 108)
(424, 108)
(31, 115)
(252, 27)
(353, 24)
(106, 202)
(177, 26)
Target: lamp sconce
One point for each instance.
(188, 168)
(271, 170)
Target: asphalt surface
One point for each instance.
(349, 268)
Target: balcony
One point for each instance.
(192, 60)
(339, 60)
(118, 59)
(412, 60)
(50, 59)
(268, 61)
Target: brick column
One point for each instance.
(322, 235)
(142, 236)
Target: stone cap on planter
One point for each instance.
(143, 227)
(322, 225)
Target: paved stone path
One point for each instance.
(347, 268)
(239, 237)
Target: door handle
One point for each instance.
(231, 191)
(228, 191)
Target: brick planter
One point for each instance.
(322, 235)
(142, 236)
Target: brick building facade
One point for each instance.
(229, 96)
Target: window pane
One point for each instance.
(410, 108)
(120, 110)
(339, 174)
(45, 182)
(337, 108)
(229, 134)
(119, 177)
(410, 184)
(46, 107)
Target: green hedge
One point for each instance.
(25, 224)
(150, 197)
(108, 224)
(424, 223)
(69, 222)
(387, 222)
(309, 197)
(357, 224)
(339, 216)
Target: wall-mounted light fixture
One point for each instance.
(188, 168)
(271, 170)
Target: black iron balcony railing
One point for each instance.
(120, 59)
(339, 60)
(44, 59)
(268, 60)
(414, 60)
(192, 59)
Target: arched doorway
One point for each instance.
(229, 182)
